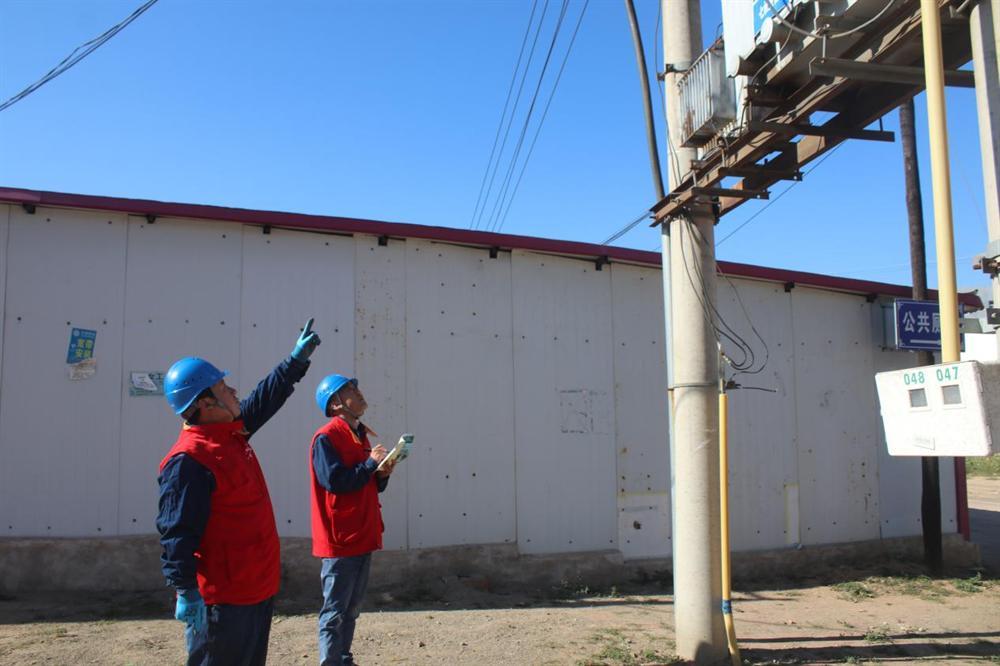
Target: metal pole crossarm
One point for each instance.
(820, 130)
(729, 192)
(896, 41)
(755, 170)
(867, 71)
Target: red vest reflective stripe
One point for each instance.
(239, 554)
(345, 524)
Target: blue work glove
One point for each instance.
(306, 343)
(191, 609)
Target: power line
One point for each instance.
(498, 203)
(513, 112)
(503, 114)
(78, 54)
(775, 199)
(545, 113)
(627, 228)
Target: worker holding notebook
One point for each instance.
(346, 515)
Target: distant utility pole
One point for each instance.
(689, 257)
(930, 500)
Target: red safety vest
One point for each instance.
(239, 554)
(345, 524)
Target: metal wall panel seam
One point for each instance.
(614, 399)
(790, 296)
(403, 383)
(3, 289)
(123, 385)
(513, 403)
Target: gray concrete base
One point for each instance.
(133, 564)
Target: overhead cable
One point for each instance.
(78, 54)
(781, 194)
(503, 114)
(545, 113)
(513, 112)
(498, 205)
(820, 35)
(627, 228)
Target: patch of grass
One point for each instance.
(852, 659)
(650, 656)
(924, 587)
(618, 650)
(878, 635)
(854, 591)
(989, 466)
(969, 585)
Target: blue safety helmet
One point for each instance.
(186, 379)
(330, 385)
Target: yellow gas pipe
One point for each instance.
(727, 603)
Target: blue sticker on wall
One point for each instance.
(81, 345)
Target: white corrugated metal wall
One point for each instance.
(535, 385)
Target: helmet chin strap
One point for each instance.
(343, 408)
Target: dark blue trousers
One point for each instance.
(235, 636)
(344, 582)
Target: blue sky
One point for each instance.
(388, 110)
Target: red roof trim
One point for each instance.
(441, 234)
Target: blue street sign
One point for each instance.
(918, 325)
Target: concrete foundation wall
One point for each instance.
(130, 564)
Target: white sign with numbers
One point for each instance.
(941, 410)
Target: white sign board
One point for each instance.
(941, 410)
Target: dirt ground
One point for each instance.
(890, 613)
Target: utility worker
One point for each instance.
(220, 544)
(346, 514)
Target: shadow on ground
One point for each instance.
(459, 593)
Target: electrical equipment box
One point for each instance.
(951, 409)
(707, 97)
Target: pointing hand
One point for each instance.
(306, 343)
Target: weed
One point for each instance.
(852, 659)
(917, 586)
(878, 635)
(618, 650)
(854, 591)
(969, 585)
(983, 466)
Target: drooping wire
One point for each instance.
(545, 113)
(78, 54)
(723, 329)
(498, 205)
(503, 114)
(513, 112)
(836, 35)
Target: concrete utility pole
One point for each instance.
(984, 24)
(930, 500)
(689, 252)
